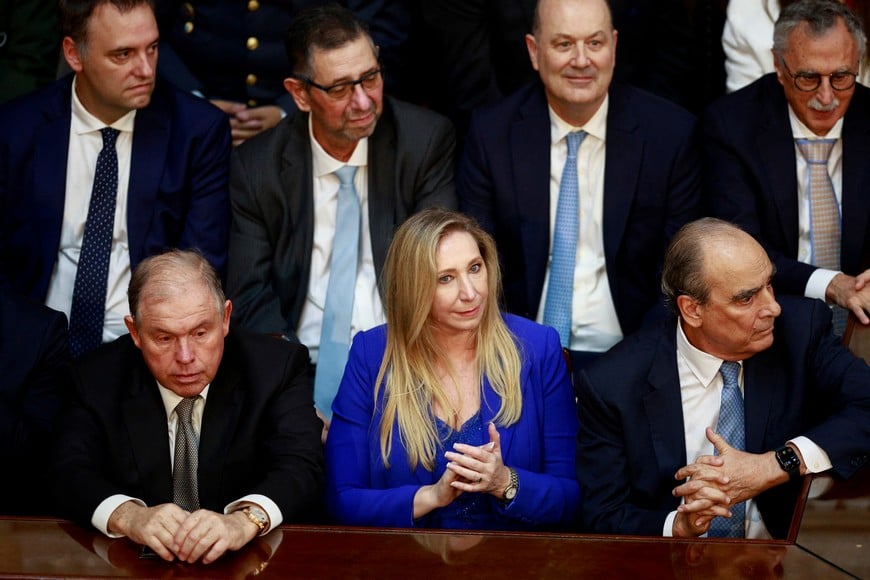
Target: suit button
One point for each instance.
(251, 80)
(188, 27)
(188, 9)
(252, 102)
(253, 5)
(253, 43)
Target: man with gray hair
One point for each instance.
(785, 158)
(184, 436)
(707, 424)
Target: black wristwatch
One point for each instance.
(789, 461)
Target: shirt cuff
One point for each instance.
(107, 507)
(815, 458)
(818, 283)
(668, 529)
(267, 505)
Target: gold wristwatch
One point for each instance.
(259, 517)
(510, 492)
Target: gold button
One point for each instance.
(252, 102)
(188, 27)
(253, 43)
(251, 80)
(188, 9)
(253, 5)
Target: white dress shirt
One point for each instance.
(100, 518)
(85, 143)
(594, 325)
(368, 311)
(819, 280)
(701, 393)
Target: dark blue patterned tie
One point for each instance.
(731, 428)
(560, 289)
(89, 294)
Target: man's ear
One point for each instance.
(532, 47)
(130, 323)
(71, 54)
(690, 310)
(299, 92)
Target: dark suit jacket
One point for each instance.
(651, 188)
(749, 163)
(177, 197)
(410, 167)
(540, 446)
(632, 442)
(33, 358)
(259, 431)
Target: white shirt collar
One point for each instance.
(703, 365)
(596, 126)
(322, 163)
(84, 122)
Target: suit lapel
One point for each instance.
(775, 147)
(49, 180)
(150, 144)
(855, 202)
(664, 405)
(760, 375)
(529, 136)
(382, 172)
(219, 424)
(623, 159)
(145, 418)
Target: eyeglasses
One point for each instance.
(809, 82)
(339, 91)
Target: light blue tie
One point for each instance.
(731, 428)
(560, 290)
(338, 307)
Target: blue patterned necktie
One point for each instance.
(185, 488)
(338, 307)
(88, 308)
(731, 428)
(824, 213)
(560, 289)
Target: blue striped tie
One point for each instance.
(560, 289)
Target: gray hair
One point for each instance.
(820, 16)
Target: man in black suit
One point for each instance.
(284, 186)
(33, 360)
(758, 177)
(645, 448)
(636, 168)
(255, 457)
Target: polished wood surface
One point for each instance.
(51, 548)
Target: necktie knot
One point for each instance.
(816, 150)
(110, 135)
(729, 371)
(346, 174)
(184, 409)
(575, 138)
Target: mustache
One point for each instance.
(815, 105)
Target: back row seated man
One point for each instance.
(104, 168)
(287, 201)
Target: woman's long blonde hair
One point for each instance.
(408, 372)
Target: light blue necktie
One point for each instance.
(731, 428)
(560, 289)
(338, 307)
(88, 308)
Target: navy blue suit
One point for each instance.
(178, 192)
(33, 381)
(540, 446)
(651, 188)
(751, 180)
(632, 440)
